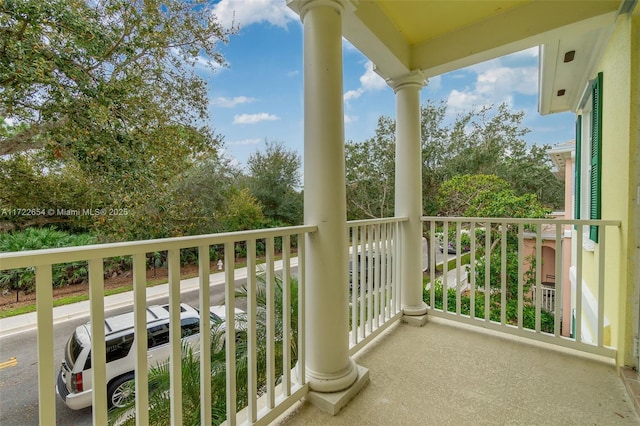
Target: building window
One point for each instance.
(589, 159)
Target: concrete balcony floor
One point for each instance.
(450, 374)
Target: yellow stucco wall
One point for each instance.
(619, 142)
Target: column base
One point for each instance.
(415, 315)
(415, 310)
(333, 402)
(415, 320)
(319, 382)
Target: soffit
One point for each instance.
(421, 21)
(441, 36)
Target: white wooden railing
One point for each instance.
(548, 297)
(490, 309)
(278, 397)
(373, 278)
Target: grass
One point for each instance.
(82, 297)
(452, 263)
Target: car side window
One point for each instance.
(157, 335)
(117, 348)
(190, 326)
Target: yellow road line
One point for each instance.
(11, 363)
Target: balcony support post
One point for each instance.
(408, 192)
(329, 368)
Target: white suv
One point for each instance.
(74, 379)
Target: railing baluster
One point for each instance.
(370, 272)
(472, 262)
(445, 266)
(362, 282)
(578, 323)
(458, 266)
(487, 271)
(302, 291)
(559, 281)
(271, 323)
(252, 359)
(601, 269)
(538, 260)
(205, 334)
(503, 273)
(376, 277)
(46, 360)
(286, 316)
(230, 340)
(175, 338)
(140, 337)
(520, 273)
(354, 284)
(432, 264)
(98, 348)
(384, 285)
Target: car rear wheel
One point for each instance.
(121, 391)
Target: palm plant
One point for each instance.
(262, 304)
(159, 382)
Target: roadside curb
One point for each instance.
(20, 323)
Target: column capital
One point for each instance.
(415, 78)
(303, 6)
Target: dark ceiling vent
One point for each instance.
(561, 92)
(568, 57)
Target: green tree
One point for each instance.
(107, 95)
(274, 180)
(485, 196)
(243, 212)
(208, 188)
(485, 141)
(370, 173)
(79, 73)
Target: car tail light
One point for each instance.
(76, 382)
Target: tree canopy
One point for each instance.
(485, 196)
(489, 140)
(101, 106)
(86, 76)
(274, 180)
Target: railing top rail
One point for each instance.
(377, 221)
(524, 220)
(23, 259)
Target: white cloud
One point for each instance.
(243, 13)
(253, 141)
(495, 82)
(350, 118)
(223, 102)
(369, 81)
(293, 73)
(353, 94)
(253, 118)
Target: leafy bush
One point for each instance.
(23, 279)
(511, 314)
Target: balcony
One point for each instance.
(449, 373)
(491, 351)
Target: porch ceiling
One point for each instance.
(441, 36)
(438, 36)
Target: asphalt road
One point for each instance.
(19, 382)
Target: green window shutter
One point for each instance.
(596, 155)
(577, 170)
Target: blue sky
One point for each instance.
(258, 97)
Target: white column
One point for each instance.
(328, 366)
(408, 200)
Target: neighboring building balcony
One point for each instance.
(492, 353)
